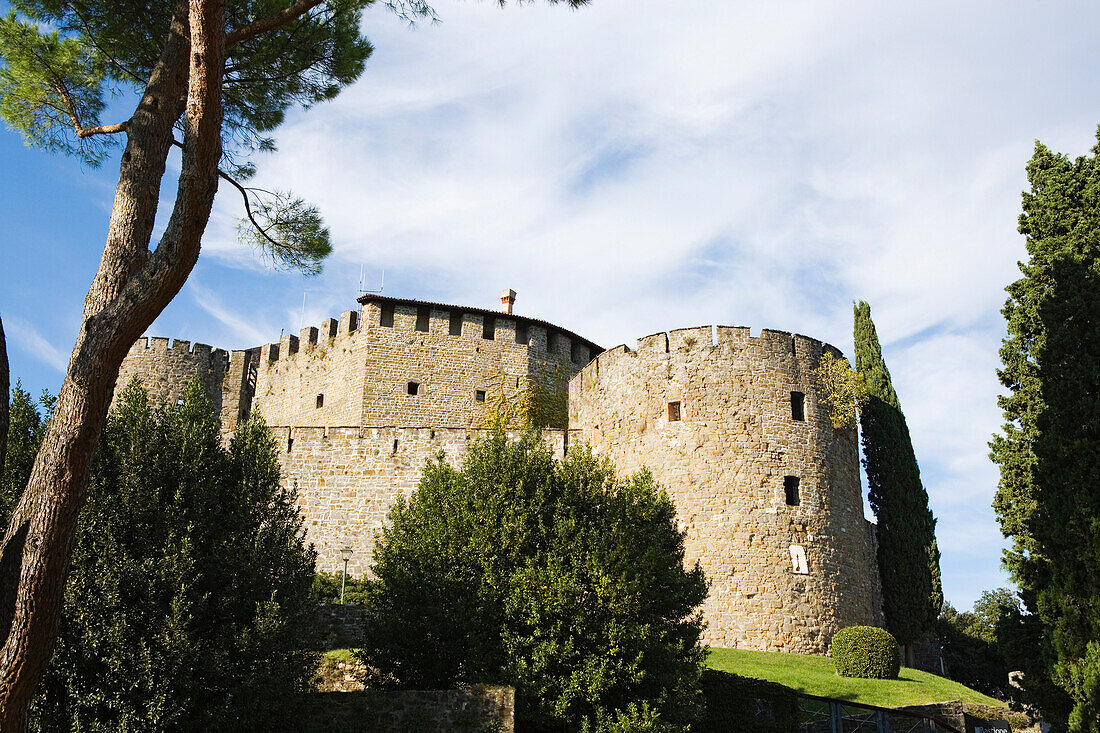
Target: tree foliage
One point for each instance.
(26, 427)
(187, 607)
(550, 576)
(908, 558)
(972, 648)
(843, 392)
(1049, 447)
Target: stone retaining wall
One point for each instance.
(479, 709)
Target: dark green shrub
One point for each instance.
(187, 606)
(553, 577)
(326, 589)
(736, 703)
(866, 651)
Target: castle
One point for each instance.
(730, 424)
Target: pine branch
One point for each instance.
(271, 22)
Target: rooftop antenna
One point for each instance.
(381, 284)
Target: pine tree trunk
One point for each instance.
(131, 287)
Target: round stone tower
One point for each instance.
(767, 490)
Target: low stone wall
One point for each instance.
(481, 709)
(341, 625)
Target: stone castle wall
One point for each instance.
(360, 372)
(165, 369)
(347, 478)
(352, 437)
(728, 462)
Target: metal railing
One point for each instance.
(828, 715)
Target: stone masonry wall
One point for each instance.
(347, 478)
(165, 370)
(359, 372)
(352, 438)
(323, 366)
(725, 463)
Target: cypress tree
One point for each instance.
(908, 559)
(1048, 501)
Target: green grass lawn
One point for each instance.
(817, 676)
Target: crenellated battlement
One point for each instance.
(705, 338)
(158, 345)
(326, 334)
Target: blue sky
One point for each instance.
(640, 166)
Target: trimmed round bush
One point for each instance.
(866, 651)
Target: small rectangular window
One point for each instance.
(798, 406)
(414, 388)
(489, 328)
(575, 351)
(790, 490)
(320, 400)
(673, 411)
(456, 323)
(479, 395)
(289, 444)
(422, 316)
(522, 336)
(386, 320)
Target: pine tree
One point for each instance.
(908, 559)
(1048, 501)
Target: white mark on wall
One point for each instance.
(798, 560)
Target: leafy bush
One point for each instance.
(737, 703)
(187, 606)
(326, 589)
(554, 578)
(866, 651)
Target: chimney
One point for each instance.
(507, 299)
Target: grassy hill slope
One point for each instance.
(817, 676)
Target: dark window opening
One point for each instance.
(673, 411)
(798, 406)
(456, 323)
(386, 321)
(289, 444)
(422, 315)
(790, 489)
(479, 395)
(395, 445)
(414, 388)
(320, 400)
(575, 351)
(551, 342)
(522, 336)
(488, 328)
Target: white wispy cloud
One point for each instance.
(241, 327)
(28, 338)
